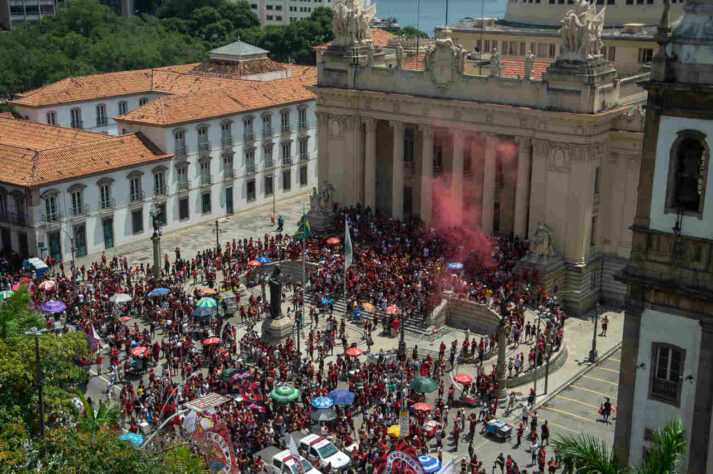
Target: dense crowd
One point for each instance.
(401, 263)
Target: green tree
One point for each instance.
(586, 454)
(411, 32)
(108, 415)
(16, 316)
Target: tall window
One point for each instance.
(228, 170)
(183, 212)
(205, 202)
(248, 129)
(267, 151)
(3, 203)
(596, 180)
(593, 233)
(135, 193)
(304, 150)
(205, 171)
(688, 171)
(179, 141)
(645, 55)
(303, 176)
(123, 107)
(105, 196)
(19, 204)
(302, 117)
(51, 211)
(285, 120)
(267, 125)
(226, 133)
(182, 177)
(76, 199)
(268, 185)
(137, 221)
(76, 117)
(286, 180)
(667, 364)
(159, 183)
(409, 147)
(250, 160)
(203, 144)
(286, 148)
(143, 101)
(101, 115)
(52, 118)
(251, 190)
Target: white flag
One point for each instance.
(93, 340)
(348, 251)
(189, 422)
(295, 454)
(449, 468)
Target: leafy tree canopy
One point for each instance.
(411, 32)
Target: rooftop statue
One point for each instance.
(351, 22)
(581, 32)
(541, 243)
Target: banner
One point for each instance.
(348, 250)
(403, 425)
(217, 449)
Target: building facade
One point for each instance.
(282, 12)
(500, 154)
(14, 13)
(667, 353)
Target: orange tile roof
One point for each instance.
(89, 153)
(378, 36)
(415, 62)
(243, 96)
(516, 68)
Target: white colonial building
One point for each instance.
(201, 141)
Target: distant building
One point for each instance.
(196, 142)
(14, 13)
(282, 12)
(667, 351)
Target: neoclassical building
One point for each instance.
(496, 153)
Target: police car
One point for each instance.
(315, 447)
(282, 462)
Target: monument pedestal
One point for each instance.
(276, 331)
(548, 272)
(156, 240)
(320, 221)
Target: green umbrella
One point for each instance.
(6, 294)
(424, 385)
(226, 374)
(284, 394)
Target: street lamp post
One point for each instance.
(37, 334)
(593, 351)
(402, 340)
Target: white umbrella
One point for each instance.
(120, 298)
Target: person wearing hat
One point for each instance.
(520, 431)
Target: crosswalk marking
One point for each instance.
(592, 391)
(599, 380)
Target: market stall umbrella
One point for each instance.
(202, 312)
(394, 431)
(208, 291)
(429, 463)
(263, 260)
(254, 263)
(393, 309)
(6, 294)
(124, 319)
(206, 303)
(421, 406)
(463, 378)
(120, 298)
(140, 351)
(53, 306)
(369, 307)
(159, 292)
(341, 397)
(323, 402)
(47, 285)
(133, 438)
(455, 266)
(284, 394)
(211, 341)
(354, 352)
(333, 240)
(424, 385)
(325, 414)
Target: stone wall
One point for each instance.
(463, 314)
(557, 361)
(291, 269)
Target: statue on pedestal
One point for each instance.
(581, 32)
(495, 63)
(350, 22)
(399, 56)
(541, 243)
(529, 62)
(275, 283)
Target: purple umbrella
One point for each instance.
(53, 306)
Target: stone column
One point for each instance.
(522, 189)
(457, 175)
(323, 146)
(397, 172)
(488, 186)
(370, 164)
(500, 368)
(156, 240)
(700, 431)
(427, 174)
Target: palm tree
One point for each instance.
(108, 415)
(16, 315)
(585, 454)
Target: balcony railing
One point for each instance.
(184, 184)
(304, 156)
(269, 164)
(181, 150)
(267, 131)
(52, 217)
(227, 142)
(78, 124)
(302, 126)
(136, 196)
(250, 167)
(204, 147)
(13, 218)
(229, 173)
(106, 205)
(286, 161)
(160, 190)
(205, 179)
(248, 136)
(286, 128)
(101, 122)
(80, 211)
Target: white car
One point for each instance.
(318, 447)
(282, 462)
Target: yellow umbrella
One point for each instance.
(394, 431)
(369, 307)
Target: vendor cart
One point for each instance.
(499, 429)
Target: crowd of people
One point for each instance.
(156, 352)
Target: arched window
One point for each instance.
(687, 173)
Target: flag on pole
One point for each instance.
(348, 250)
(295, 455)
(304, 230)
(93, 340)
(449, 468)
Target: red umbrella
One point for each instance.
(393, 309)
(139, 351)
(421, 407)
(463, 378)
(211, 340)
(333, 240)
(254, 263)
(354, 352)
(123, 319)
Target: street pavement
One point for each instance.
(572, 410)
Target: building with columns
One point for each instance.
(667, 352)
(500, 154)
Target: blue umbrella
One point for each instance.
(322, 402)
(133, 438)
(429, 463)
(341, 397)
(159, 292)
(455, 266)
(263, 260)
(202, 312)
(53, 306)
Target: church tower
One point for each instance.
(667, 353)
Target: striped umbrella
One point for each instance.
(284, 394)
(120, 298)
(47, 285)
(211, 341)
(369, 307)
(206, 303)
(393, 309)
